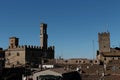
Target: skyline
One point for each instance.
(73, 26)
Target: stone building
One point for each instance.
(104, 42)
(76, 61)
(105, 52)
(29, 55)
(2, 58)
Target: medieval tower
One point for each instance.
(13, 42)
(104, 41)
(43, 35)
(17, 55)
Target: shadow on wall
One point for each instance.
(71, 76)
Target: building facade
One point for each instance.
(105, 52)
(2, 58)
(29, 55)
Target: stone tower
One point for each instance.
(104, 41)
(43, 35)
(13, 42)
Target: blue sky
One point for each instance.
(73, 25)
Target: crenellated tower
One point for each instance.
(43, 35)
(104, 41)
(13, 42)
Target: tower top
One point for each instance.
(13, 42)
(104, 33)
(43, 35)
(43, 24)
(13, 37)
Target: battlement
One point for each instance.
(13, 37)
(103, 33)
(43, 24)
(51, 48)
(25, 46)
(32, 47)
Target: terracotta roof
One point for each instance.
(110, 54)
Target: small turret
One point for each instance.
(13, 42)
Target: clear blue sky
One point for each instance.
(73, 25)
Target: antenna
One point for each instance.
(106, 27)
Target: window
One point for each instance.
(11, 45)
(105, 58)
(91, 61)
(79, 61)
(38, 78)
(95, 61)
(66, 61)
(76, 61)
(9, 54)
(18, 54)
(18, 62)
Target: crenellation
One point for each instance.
(103, 33)
(38, 47)
(19, 46)
(51, 48)
(28, 46)
(29, 53)
(104, 41)
(31, 46)
(25, 46)
(34, 47)
(35, 56)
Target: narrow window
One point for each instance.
(105, 58)
(18, 54)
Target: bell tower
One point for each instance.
(43, 35)
(104, 41)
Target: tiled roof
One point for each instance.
(110, 54)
